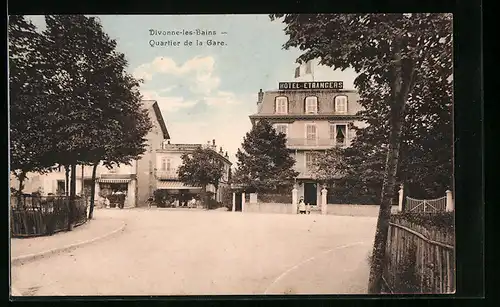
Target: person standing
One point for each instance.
(302, 206)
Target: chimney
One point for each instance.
(260, 96)
(213, 142)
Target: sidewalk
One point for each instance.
(26, 249)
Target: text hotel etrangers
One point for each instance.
(154, 42)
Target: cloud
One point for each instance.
(168, 103)
(198, 70)
(222, 98)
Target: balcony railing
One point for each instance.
(172, 174)
(318, 142)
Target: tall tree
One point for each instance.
(264, 162)
(27, 96)
(201, 167)
(98, 113)
(390, 52)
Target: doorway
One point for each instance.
(310, 193)
(237, 205)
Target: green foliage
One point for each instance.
(72, 101)
(394, 55)
(264, 162)
(29, 146)
(201, 167)
(92, 89)
(425, 165)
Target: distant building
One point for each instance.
(168, 160)
(314, 116)
(136, 181)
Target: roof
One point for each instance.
(296, 101)
(174, 185)
(160, 119)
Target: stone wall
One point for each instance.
(268, 208)
(345, 210)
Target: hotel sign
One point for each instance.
(311, 85)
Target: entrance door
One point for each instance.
(310, 193)
(237, 206)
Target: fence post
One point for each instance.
(324, 207)
(243, 202)
(294, 199)
(400, 203)
(233, 209)
(449, 202)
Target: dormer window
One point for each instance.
(341, 104)
(281, 106)
(311, 105)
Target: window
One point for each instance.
(341, 104)
(165, 164)
(311, 131)
(311, 135)
(281, 128)
(338, 133)
(281, 105)
(311, 105)
(61, 187)
(310, 158)
(332, 132)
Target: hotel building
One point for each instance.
(314, 116)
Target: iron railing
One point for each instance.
(44, 215)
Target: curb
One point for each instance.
(31, 257)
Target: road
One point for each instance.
(168, 252)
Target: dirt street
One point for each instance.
(168, 252)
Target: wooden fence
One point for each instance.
(419, 259)
(43, 215)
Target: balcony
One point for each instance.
(165, 175)
(319, 143)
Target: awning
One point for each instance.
(174, 185)
(115, 180)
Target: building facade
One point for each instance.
(315, 117)
(169, 159)
(136, 181)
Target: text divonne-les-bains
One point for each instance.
(182, 32)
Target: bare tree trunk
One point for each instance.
(402, 85)
(204, 196)
(21, 178)
(83, 186)
(72, 197)
(92, 191)
(66, 173)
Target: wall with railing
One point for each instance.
(32, 215)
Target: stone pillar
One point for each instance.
(234, 202)
(323, 201)
(400, 202)
(243, 202)
(450, 207)
(294, 199)
(131, 194)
